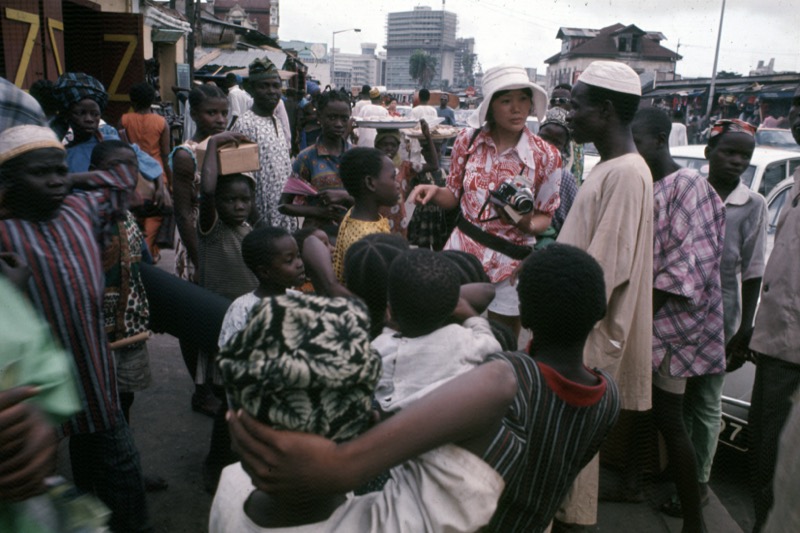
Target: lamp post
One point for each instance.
(333, 53)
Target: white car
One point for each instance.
(776, 138)
(768, 166)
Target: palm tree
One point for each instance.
(422, 67)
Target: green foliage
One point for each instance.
(422, 67)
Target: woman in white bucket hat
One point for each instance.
(499, 150)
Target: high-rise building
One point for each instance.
(356, 70)
(423, 29)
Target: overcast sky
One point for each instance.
(524, 32)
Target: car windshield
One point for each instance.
(701, 165)
(776, 139)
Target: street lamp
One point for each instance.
(333, 48)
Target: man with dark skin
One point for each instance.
(445, 111)
(777, 345)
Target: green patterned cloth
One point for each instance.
(304, 363)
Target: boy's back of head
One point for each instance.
(561, 294)
(356, 165)
(103, 150)
(423, 291)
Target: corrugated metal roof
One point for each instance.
(238, 58)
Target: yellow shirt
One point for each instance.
(350, 231)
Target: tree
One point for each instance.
(422, 67)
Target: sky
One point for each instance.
(524, 31)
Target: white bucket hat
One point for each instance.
(507, 78)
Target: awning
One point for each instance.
(160, 35)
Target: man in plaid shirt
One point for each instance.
(688, 325)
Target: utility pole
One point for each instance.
(714, 71)
(441, 52)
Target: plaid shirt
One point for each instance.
(18, 108)
(688, 234)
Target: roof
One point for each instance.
(236, 58)
(601, 43)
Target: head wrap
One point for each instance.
(262, 68)
(556, 115)
(17, 107)
(731, 125)
(374, 93)
(612, 75)
(72, 87)
(26, 138)
(304, 363)
(384, 133)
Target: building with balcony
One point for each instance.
(421, 29)
(639, 49)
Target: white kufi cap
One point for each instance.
(612, 75)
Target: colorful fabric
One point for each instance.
(276, 167)
(428, 226)
(304, 363)
(577, 161)
(145, 130)
(66, 287)
(316, 166)
(125, 308)
(72, 87)
(532, 163)
(731, 125)
(551, 431)
(350, 231)
(18, 108)
(568, 190)
(688, 236)
(612, 220)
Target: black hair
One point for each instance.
(42, 91)
(423, 291)
(653, 120)
(424, 95)
(489, 115)
(226, 180)
(625, 104)
(258, 246)
(356, 165)
(201, 93)
(101, 150)
(469, 267)
(322, 100)
(571, 282)
(366, 272)
(142, 95)
(565, 86)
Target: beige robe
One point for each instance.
(612, 219)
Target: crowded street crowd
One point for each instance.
(385, 344)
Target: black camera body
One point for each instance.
(507, 194)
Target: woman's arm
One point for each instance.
(429, 153)
(466, 410)
(441, 196)
(183, 197)
(329, 212)
(209, 175)
(319, 267)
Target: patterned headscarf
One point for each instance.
(72, 87)
(556, 115)
(304, 363)
(18, 108)
(262, 68)
(732, 125)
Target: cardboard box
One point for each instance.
(232, 159)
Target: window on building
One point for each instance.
(622, 44)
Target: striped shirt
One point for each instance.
(551, 431)
(66, 287)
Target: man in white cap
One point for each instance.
(612, 219)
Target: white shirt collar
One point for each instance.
(738, 196)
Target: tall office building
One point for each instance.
(421, 29)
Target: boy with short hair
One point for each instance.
(427, 351)
(59, 232)
(368, 176)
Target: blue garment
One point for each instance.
(79, 155)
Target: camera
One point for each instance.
(518, 199)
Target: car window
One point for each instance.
(774, 174)
(793, 164)
(774, 209)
